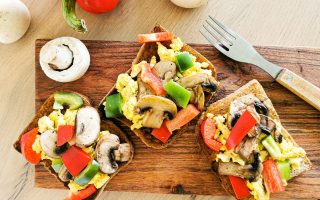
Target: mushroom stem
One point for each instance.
(69, 15)
(59, 56)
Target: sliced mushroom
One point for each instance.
(104, 150)
(87, 126)
(166, 70)
(261, 108)
(123, 153)
(255, 131)
(155, 108)
(48, 143)
(198, 97)
(249, 172)
(267, 123)
(64, 174)
(208, 83)
(246, 147)
(143, 89)
(64, 59)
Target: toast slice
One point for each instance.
(222, 107)
(146, 52)
(46, 109)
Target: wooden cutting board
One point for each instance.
(181, 169)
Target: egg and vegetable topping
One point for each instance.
(252, 148)
(164, 93)
(70, 138)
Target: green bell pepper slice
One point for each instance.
(88, 173)
(178, 93)
(284, 169)
(272, 147)
(184, 61)
(56, 164)
(113, 106)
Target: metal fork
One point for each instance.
(234, 46)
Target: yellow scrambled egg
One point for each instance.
(98, 181)
(222, 131)
(128, 88)
(45, 123)
(58, 119)
(166, 54)
(257, 190)
(176, 44)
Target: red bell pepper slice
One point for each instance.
(152, 80)
(82, 194)
(155, 37)
(208, 129)
(245, 123)
(162, 133)
(239, 187)
(75, 160)
(271, 176)
(26, 143)
(183, 117)
(65, 134)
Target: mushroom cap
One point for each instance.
(166, 70)
(48, 143)
(195, 79)
(87, 126)
(104, 149)
(79, 66)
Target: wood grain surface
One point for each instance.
(181, 168)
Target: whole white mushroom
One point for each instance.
(189, 3)
(14, 20)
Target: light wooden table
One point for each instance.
(262, 22)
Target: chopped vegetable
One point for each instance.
(155, 37)
(56, 164)
(152, 80)
(162, 133)
(98, 6)
(74, 101)
(272, 177)
(88, 173)
(244, 124)
(273, 148)
(183, 117)
(82, 194)
(113, 106)
(208, 129)
(65, 134)
(75, 160)
(239, 187)
(178, 93)
(184, 61)
(26, 143)
(284, 169)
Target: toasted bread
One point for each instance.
(146, 52)
(222, 107)
(46, 109)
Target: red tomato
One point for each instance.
(239, 187)
(82, 194)
(65, 134)
(155, 37)
(208, 129)
(75, 160)
(244, 124)
(271, 176)
(26, 143)
(162, 133)
(183, 117)
(152, 80)
(98, 6)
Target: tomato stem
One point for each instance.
(69, 15)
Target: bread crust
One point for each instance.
(146, 52)
(222, 107)
(46, 109)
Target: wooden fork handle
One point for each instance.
(301, 87)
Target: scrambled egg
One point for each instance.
(37, 148)
(221, 127)
(45, 123)
(153, 61)
(166, 54)
(58, 119)
(136, 69)
(176, 44)
(70, 117)
(288, 150)
(257, 190)
(98, 181)
(229, 156)
(295, 163)
(103, 133)
(128, 88)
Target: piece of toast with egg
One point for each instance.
(68, 137)
(250, 151)
(167, 86)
